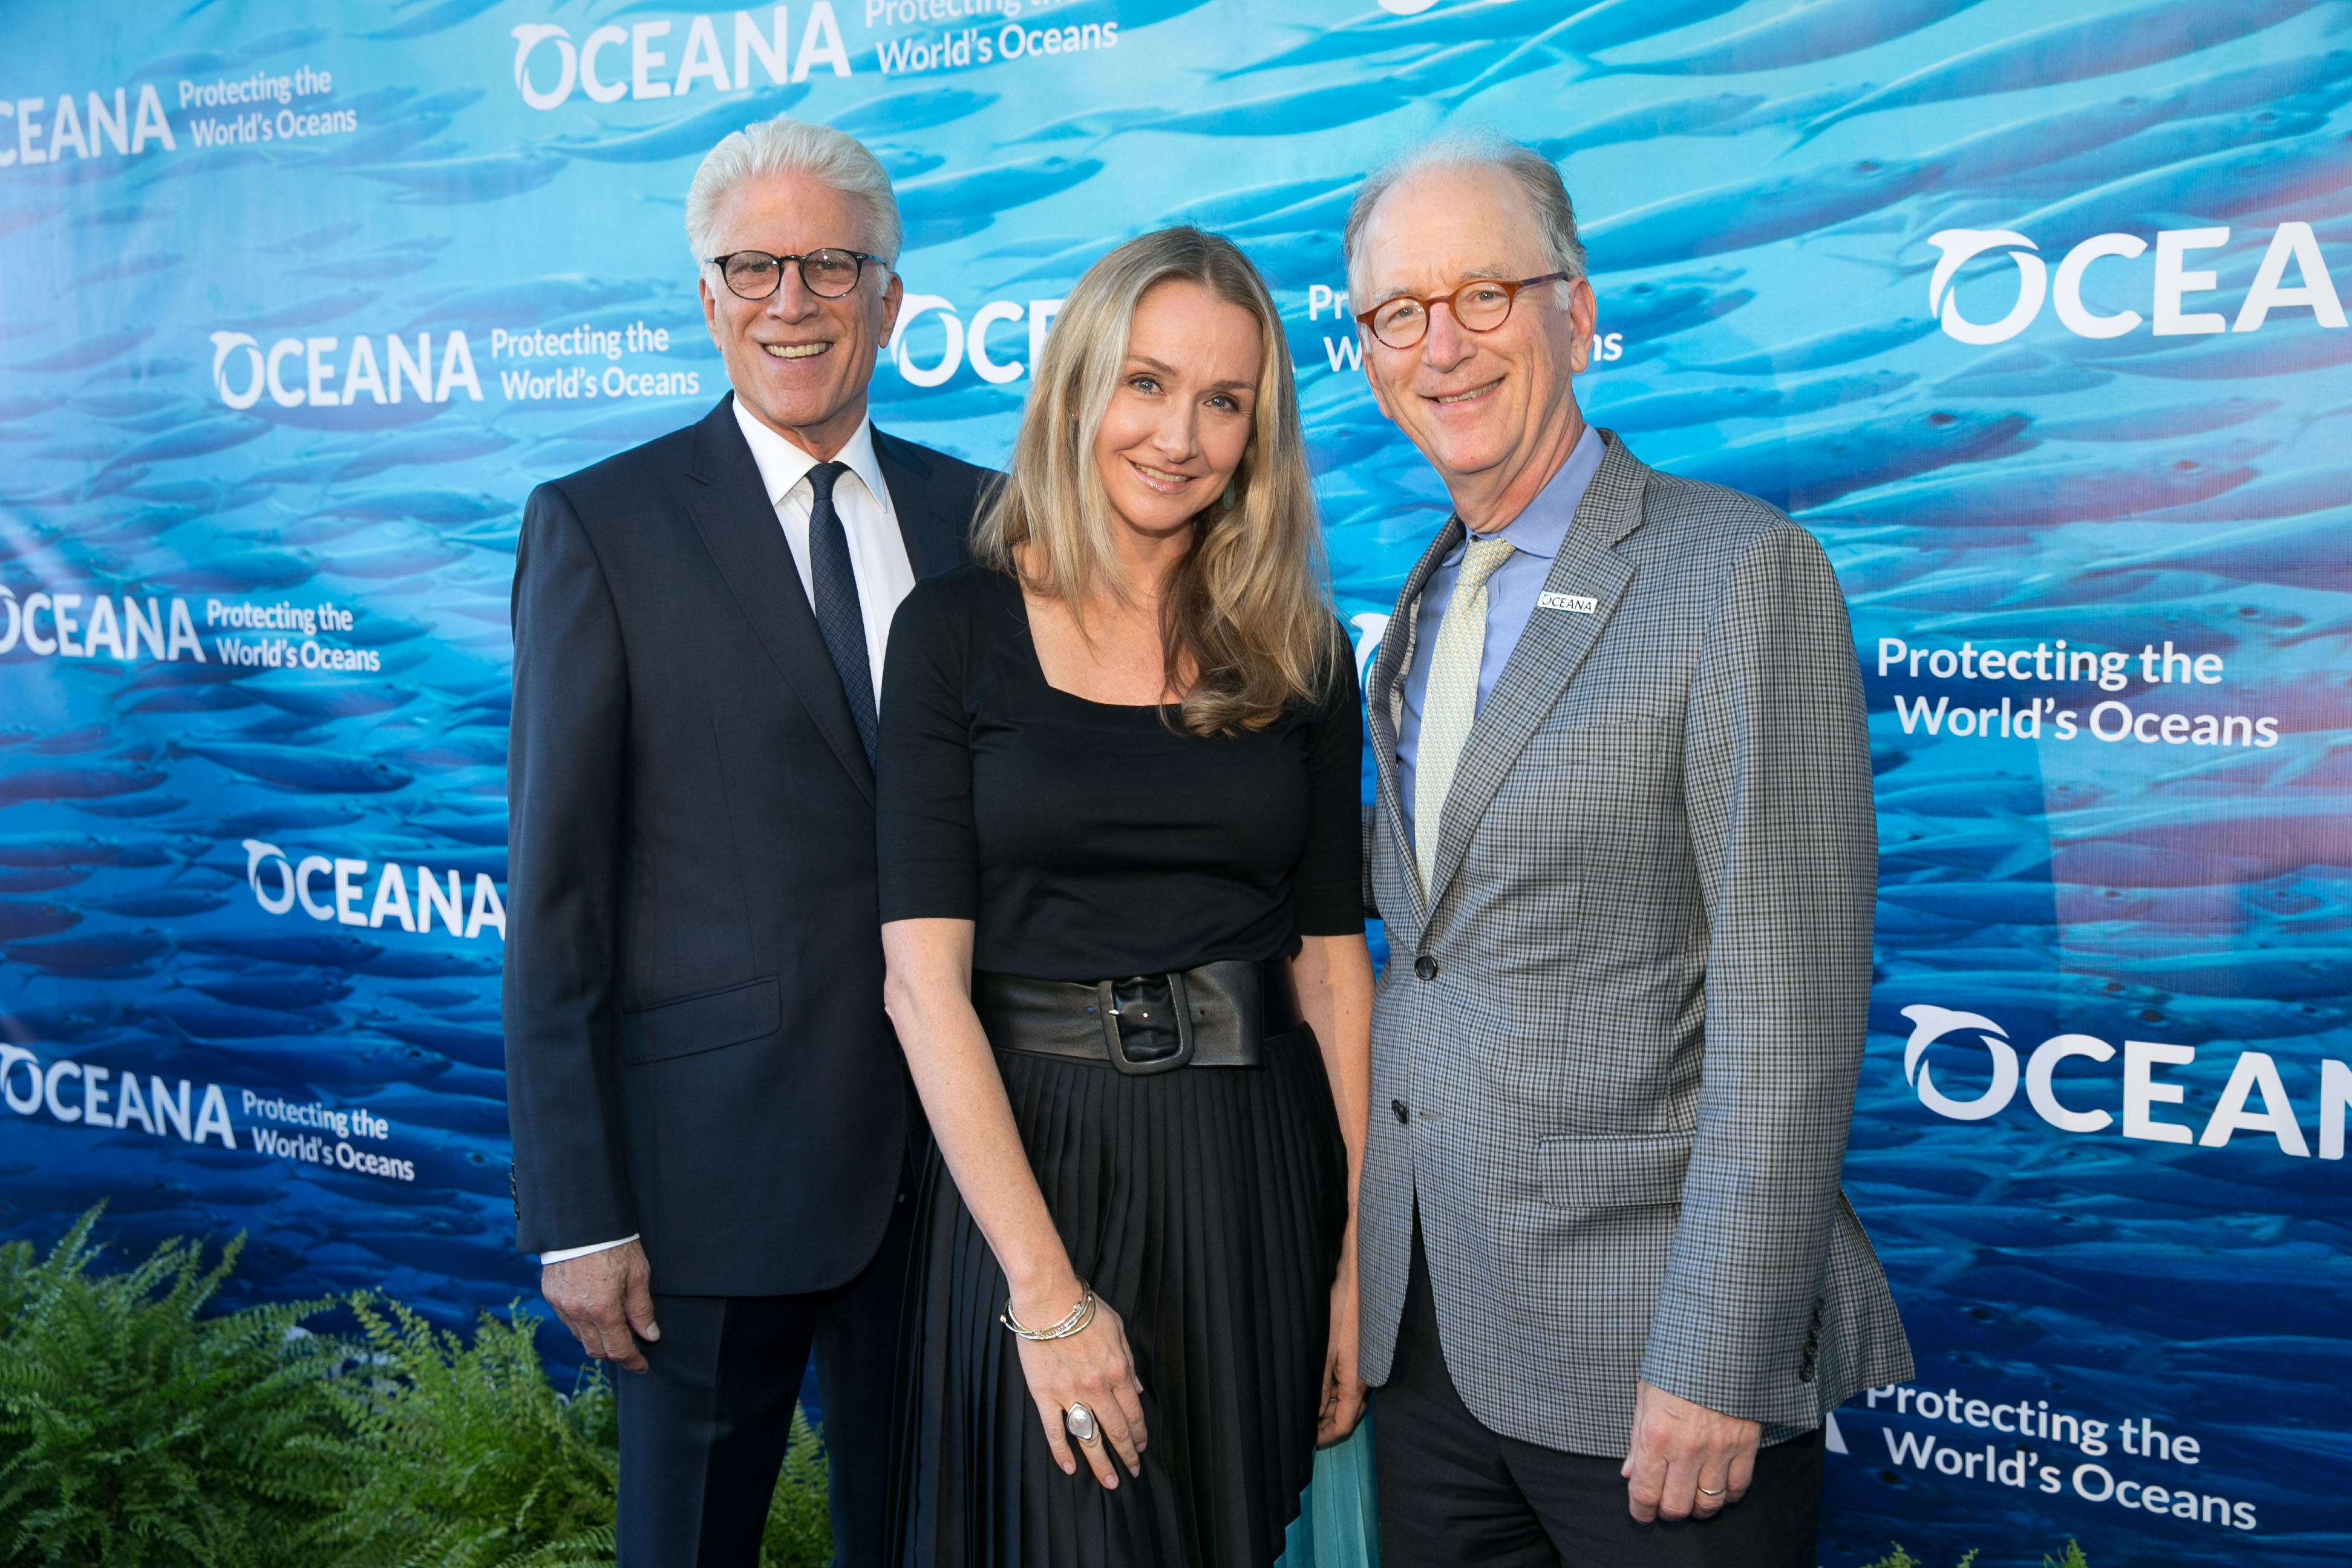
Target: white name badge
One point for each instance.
(1574, 604)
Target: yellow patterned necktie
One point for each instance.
(1449, 703)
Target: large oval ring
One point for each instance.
(1081, 1423)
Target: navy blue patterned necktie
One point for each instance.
(834, 589)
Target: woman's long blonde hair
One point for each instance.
(1247, 608)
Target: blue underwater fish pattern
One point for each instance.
(2030, 313)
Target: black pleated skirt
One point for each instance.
(1206, 1206)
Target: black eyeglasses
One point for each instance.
(1480, 306)
(827, 273)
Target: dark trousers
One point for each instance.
(703, 1430)
(1452, 1491)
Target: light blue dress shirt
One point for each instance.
(1535, 537)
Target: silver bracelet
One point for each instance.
(1074, 1323)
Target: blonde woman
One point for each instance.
(1120, 873)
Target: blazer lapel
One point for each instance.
(738, 527)
(1380, 696)
(935, 536)
(1549, 652)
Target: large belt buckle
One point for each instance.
(1115, 1027)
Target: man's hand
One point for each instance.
(601, 1296)
(1683, 1452)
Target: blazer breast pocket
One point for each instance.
(709, 1021)
(1594, 1175)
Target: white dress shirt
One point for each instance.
(877, 559)
(877, 554)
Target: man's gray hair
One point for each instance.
(1480, 148)
(787, 146)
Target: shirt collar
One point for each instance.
(783, 464)
(1540, 529)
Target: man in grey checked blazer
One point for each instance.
(1610, 1284)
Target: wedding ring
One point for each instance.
(1717, 1492)
(1081, 1422)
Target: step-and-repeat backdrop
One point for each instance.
(2030, 311)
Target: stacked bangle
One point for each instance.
(1074, 1323)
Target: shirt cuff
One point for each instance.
(563, 1254)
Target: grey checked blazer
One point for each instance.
(1613, 1060)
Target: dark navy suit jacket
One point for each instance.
(696, 1045)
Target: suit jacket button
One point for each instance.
(1425, 967)
(1402, 1115)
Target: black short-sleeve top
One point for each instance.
(1090, 841)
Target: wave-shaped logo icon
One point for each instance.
(223, 345)
(529, 37)
(1931, 1024)
(1961, 246)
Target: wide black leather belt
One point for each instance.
(1215, 1016)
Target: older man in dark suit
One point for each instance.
(1625, 852)
(711, 1117)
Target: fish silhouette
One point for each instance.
(78, 783)
(690, 136)
(1752, 212)
(898, 113)
(163, 904)
(324, 951)
(2071, 51)
(2168, 422)
(950, 206)
(456, 181)
(243, 571)
(526, 303)
(147, 804)
(1801, 469)
(2218, 184)
(2048, 493)
(43, 850)
(216, 433)
(91, 351)
(1816, 30)
(1668, 410)
(19, 921)
(97, 955)
(433, 19)
(302, 768)
(296, 992)
(1839, 346)
(369, 268)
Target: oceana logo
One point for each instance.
(332, 889)
(298, 371)
(548, 64)
(2291, 243)
(2254, 1100)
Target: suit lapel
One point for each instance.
(1549, 652)
(935, 537)
(1389, 665)
(738, 528)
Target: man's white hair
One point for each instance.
(787, 146)
(1536, 176)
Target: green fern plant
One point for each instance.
(799, 1529)
(2072, 1558)
(465, 1456)
(138, 1434)
(1898, 1557)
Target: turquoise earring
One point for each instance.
(1229, 495)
